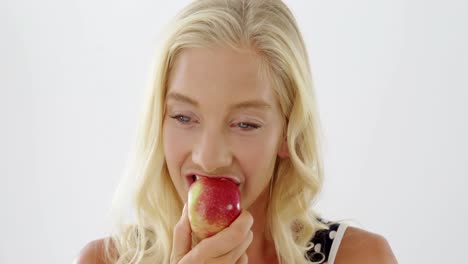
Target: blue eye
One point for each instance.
(181, 118)
(242, 125)
(248, 126)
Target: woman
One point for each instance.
(233, 96)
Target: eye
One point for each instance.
(181, 118)
(247, 126)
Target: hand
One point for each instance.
(227, 246)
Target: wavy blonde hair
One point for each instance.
(268, 28)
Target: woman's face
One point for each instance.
(221, 119)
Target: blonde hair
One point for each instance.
(268, 28)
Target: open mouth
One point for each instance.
(193, 178)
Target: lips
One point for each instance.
(192, 177)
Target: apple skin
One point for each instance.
(213, 204)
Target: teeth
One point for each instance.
(196, 178)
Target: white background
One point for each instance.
(391, 80)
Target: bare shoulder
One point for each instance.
(93, 253)
(361, 246)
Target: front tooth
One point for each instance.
(197, 177)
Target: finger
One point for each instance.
(229, 238)
(238, 252)
(243, 259)
(182, 238)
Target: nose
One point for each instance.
(211, 152)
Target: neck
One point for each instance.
(262, 248)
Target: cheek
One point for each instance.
(257, 157)
(176, 146)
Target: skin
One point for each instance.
(357, 247)
(214, 138)
(215, 141)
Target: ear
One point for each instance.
(283, 150)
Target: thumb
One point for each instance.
(182, 238)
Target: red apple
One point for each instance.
(213, 204)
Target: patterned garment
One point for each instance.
(325, 243)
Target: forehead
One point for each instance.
(220, 74)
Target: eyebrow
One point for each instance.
(247, 104)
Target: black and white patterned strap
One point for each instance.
(325, 243)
